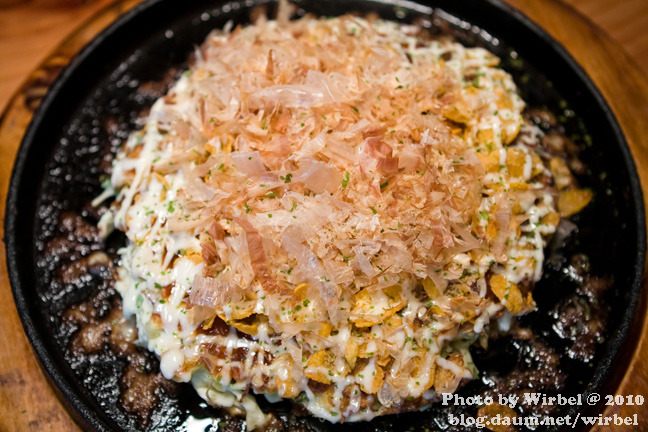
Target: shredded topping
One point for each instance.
(331, 211)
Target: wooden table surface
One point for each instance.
(31, 29)
(608, 37)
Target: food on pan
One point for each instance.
(333, 211)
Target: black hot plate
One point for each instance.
(98, 98)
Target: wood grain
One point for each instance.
(625, 21)
(30, 30)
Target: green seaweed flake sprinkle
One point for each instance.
(345, 180)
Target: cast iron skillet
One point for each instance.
(59, 164)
